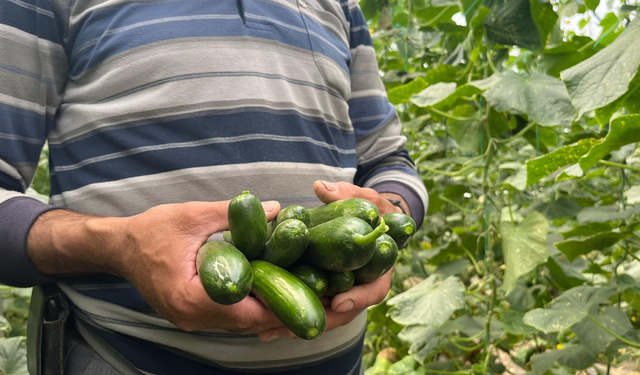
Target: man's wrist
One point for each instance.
(62, 243)
(402, 202)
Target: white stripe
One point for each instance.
(30, 40)
(25, 104)
(361, 27)
(203, 142)
(368, 93)
(32, 7)
(15, 137)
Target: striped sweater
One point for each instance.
(164, 101)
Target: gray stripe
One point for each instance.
(27, 88)
(203, 142)
(33, 59)
(15, 137)
(36, 9)
(361, 27)
(266, 180)
(108, 32)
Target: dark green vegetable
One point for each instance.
(339, 282)
(384, 257)
(290, 212)
(401, 228)
(224, 271)
(287, 244)
(354, 207)
(248, 224)
(297, 307)
(342, 244)
(313, 277)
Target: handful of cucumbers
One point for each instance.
(326, 249)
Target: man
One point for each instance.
(153, 110)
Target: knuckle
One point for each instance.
(244, 323)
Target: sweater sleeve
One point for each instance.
(383, 162)
(33, 71)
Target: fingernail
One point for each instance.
(269, 206)
(272, 337)
(345, 306)
(330, 186)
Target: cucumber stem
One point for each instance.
(381, 229)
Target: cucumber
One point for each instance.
(354, 207)
(225, 272)
(248, 224)
(287, 244)
(401, 228)
(313, 277)
(384, 257)
(339, 282)
(291, 212)
(297, 307)
(342, 244)
(226, 235)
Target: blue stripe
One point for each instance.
(204, 125)
(23, 123)
(160, 161)
(92, 28)
(9, 183)
(29, 21)
(371, 106)
(19, 151)
(155, 359)
(360, 37)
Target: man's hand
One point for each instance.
(344, 307)
(156, 252)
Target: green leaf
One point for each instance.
(605, 76)
(513, 323)
(558, 209)
(592, 4)
(466, 133)
(628, 103)
(587, 229)
(402, 94)
(543, 98)
(5, 327)
(524, 247)
(429, 303)
(564, 56)
(13, 356)
(596, 339)
(566, 274)
(603, 214)
(423, 340)
(521, 22)
(573, 248)
(380, 366)
(575, 356)
(622, 131)
(433, 94)
(521, 297)
(568, 309)
(454, 267)
(403, 366)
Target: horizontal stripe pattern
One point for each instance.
(167, 101)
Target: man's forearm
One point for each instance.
(64, 243)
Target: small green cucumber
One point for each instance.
(354, 207)
(339, 282)
(313, 277)
(401, 228)
(294, 212)
(226, 235)
(248, 224)
(287, 244)
(342, 244)
(297, 307)
(384, 257)
(225, 273)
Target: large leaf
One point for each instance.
(566, 274)
(595, 338)
(423, 340)
(605, 76)
(566, 55)
(573, 248)
(602, 214)
(429, 303)
(569, 308)
(544, 99)
(629, 103)
(575, 356)
(466, 133)
(622, 131)
(524, 246)
(521, 22)
(558, 209)
(433, 94)
(513, 323)
(441, 73)
(13, 356)
(587, 229)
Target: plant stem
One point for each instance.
(628, 342)
(445, 114)
(454, 204)
(623, 166)
(476, 336)
(467, 349)
(473, 260)
(447, 173)
(520, 133)
(381, 229)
